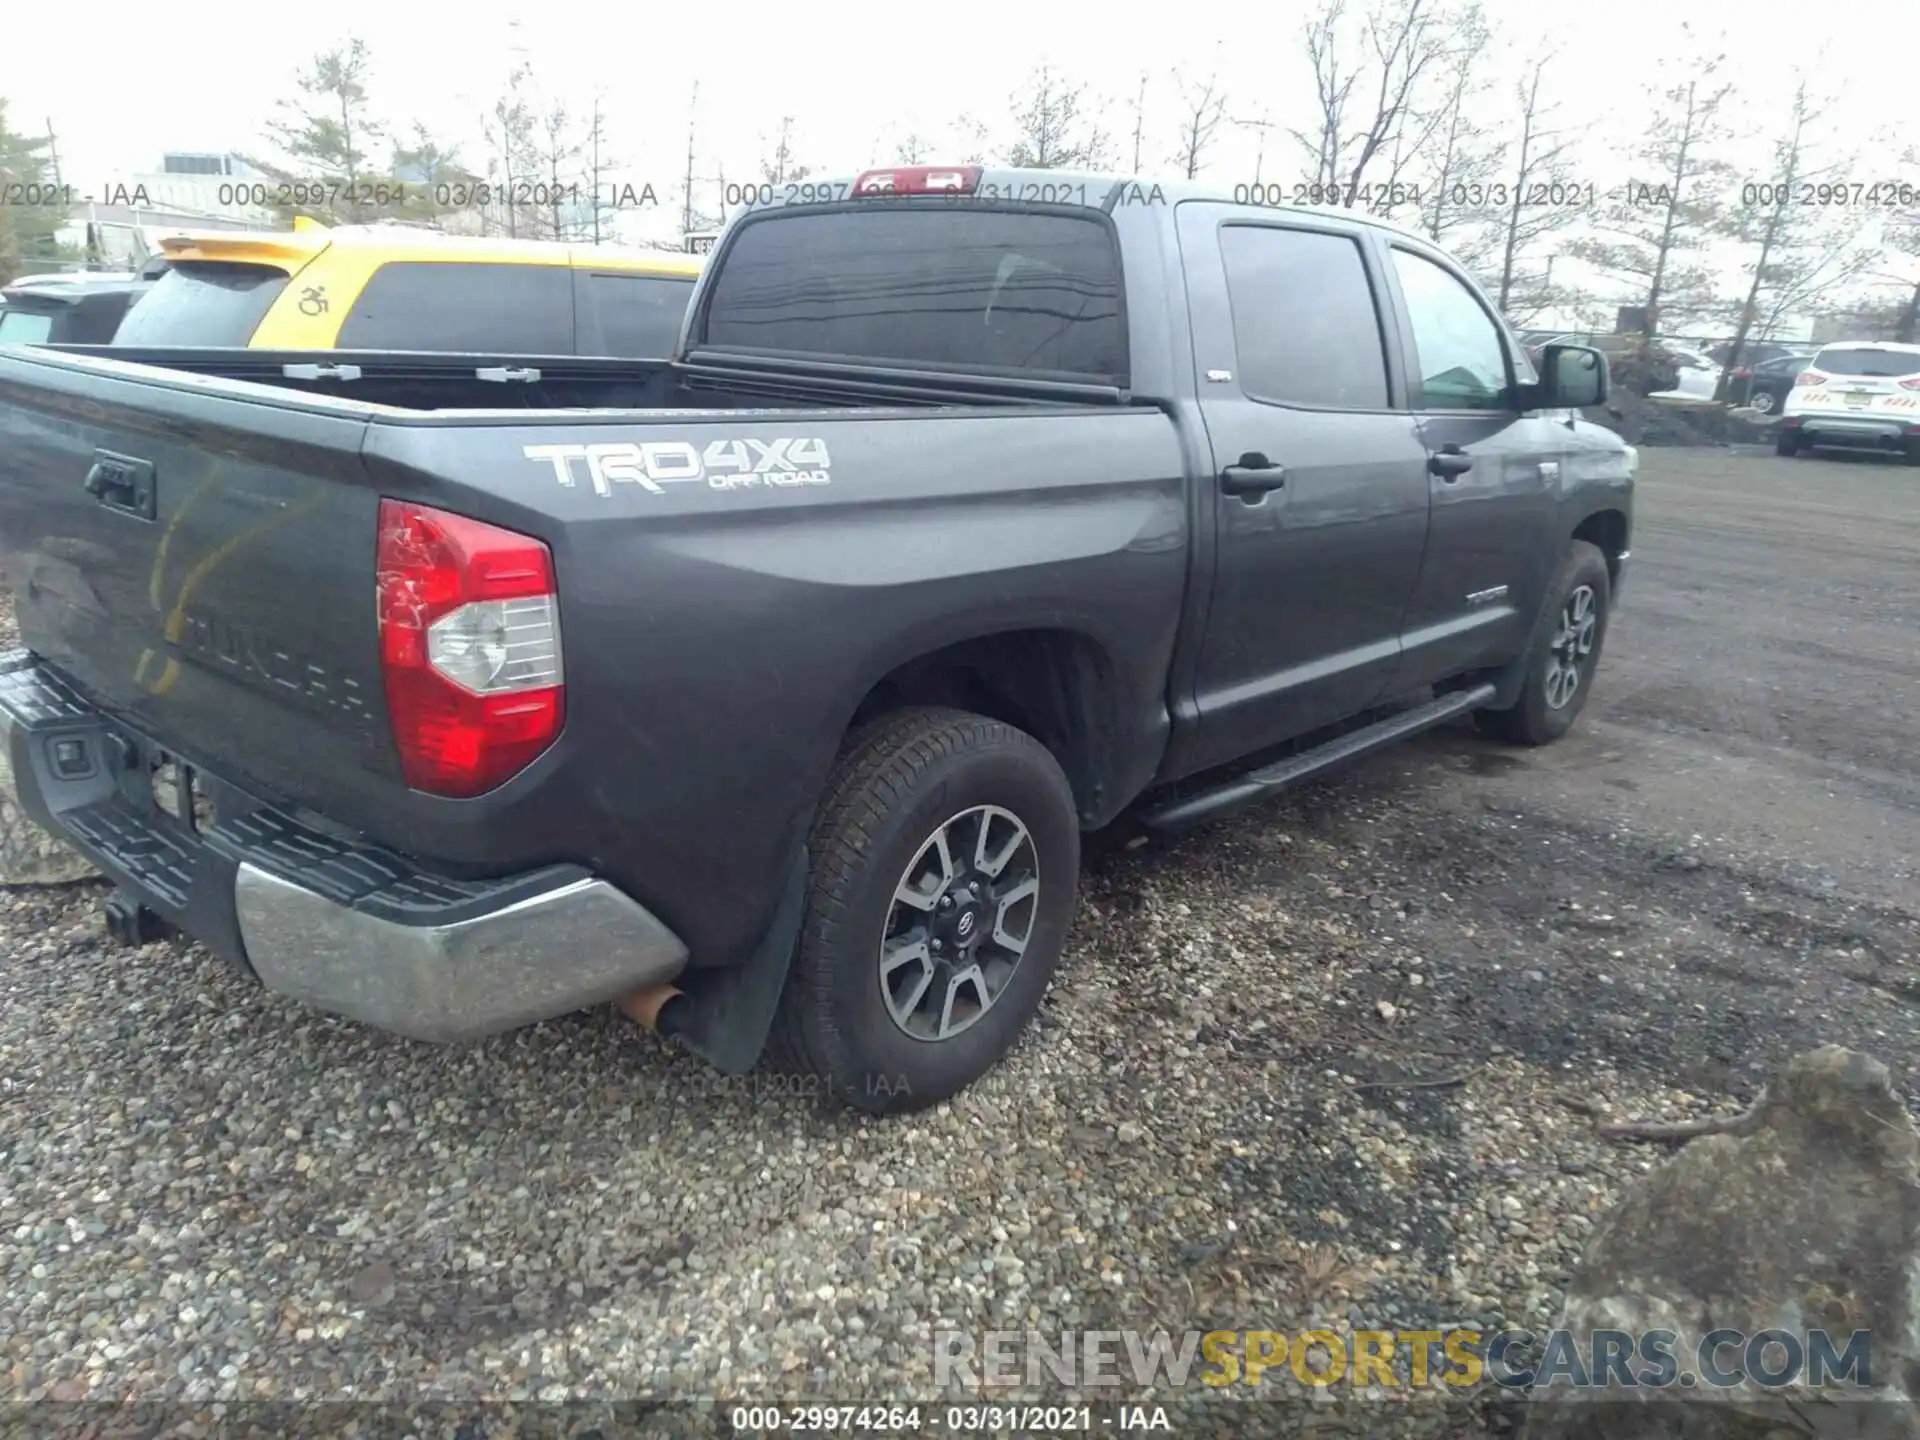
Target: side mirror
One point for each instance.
(1572, 377)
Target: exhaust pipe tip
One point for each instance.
(653, 1008)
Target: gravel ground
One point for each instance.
(1337, 1059)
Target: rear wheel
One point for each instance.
(1787, 443)
(1563, 653)
(1762, 402)
(945, 862)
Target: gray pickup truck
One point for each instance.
(768, 691)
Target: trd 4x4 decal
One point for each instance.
(724, 465)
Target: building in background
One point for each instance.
(124, 218)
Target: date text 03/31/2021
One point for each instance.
(959, 1419)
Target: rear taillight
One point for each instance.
(1911, 384)
(470, 648)
(1809, 377)
(919, 180)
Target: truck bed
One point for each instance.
(191, 551)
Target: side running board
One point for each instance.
(1190, 810)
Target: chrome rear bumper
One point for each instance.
(582, 943)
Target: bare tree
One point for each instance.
(1901, 236)
(1203, 105)
(1260, 125)
(1654, 232)
(511, 159)
(1465, 170)
(692, 217)
(556, 152)
(912, 149)
(1543, 194)
(598, 163)
(1372, 76)
(973, 139)
(1054, 127)
(779, 167)
(1139, 121)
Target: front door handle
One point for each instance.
(1449, 462)
(1254, 474)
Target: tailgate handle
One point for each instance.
(508, 374)
(122, 482)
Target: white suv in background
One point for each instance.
(1855, 395)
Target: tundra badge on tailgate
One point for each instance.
(723, 465)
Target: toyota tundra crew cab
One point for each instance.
(769, 689)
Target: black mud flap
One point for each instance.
(727, 1013)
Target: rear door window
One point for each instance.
(1887, 364)
(1305, 328)
(459, 306)
(203, 302)
(637, 316)
(928, 286)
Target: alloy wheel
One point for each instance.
(960, 921)
(1571, 646)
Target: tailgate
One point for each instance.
(201, 564)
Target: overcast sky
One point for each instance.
(856, 75)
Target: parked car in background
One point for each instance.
(1684, 372)
(86, 314)
(385, 287)
(70, 279)
(1757, 352)
(1855, 395)
(1763, 386)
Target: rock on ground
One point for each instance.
(1805, 1217)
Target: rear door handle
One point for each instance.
(1449, 462)
(1254, 474)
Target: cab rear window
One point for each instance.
(203, 302)
(1882, 363)
(935, 286)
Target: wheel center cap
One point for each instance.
(967, 925)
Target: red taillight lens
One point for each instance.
(470, 647)
(919, 180)
(1912, 384)
(1809, 377)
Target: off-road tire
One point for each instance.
(894, 784)
(1532, 720)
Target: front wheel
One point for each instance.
(1562, 654)
(944, 867)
